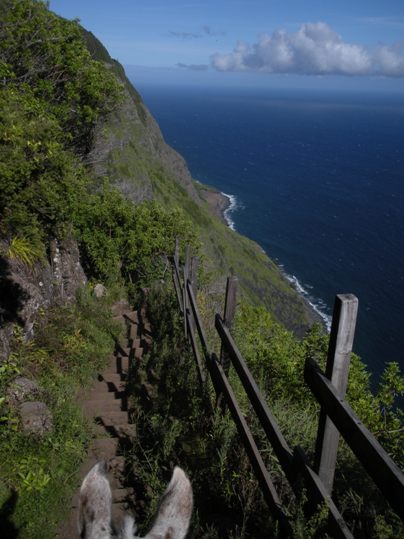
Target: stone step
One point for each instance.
(134, 342)
(133, 331)
(111, 369)
(104, 389)
(120, 307)
(125, 350)
(112, 377)
(124, 432)
(96, 408)
(116, 381)
(100, 390)
(131, 316)
(147, 326)
(146, 340)
(112, 419)
(102, 394)
(138, 354)
(104, 448)
(123, 364)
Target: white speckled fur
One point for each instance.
(95, 505)
(172, 520)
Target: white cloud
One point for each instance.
(205, 31)
(193, 67)
(315, 49)
(390, 60)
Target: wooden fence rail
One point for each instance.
(329, 389)
(381, 468)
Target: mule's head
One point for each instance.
(172, 519)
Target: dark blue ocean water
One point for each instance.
(319, 184)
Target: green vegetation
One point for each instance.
(176, 424)
(120, 240)
(47, 54)
(60, 93)
(51, 95)
(38, 473)
(137, 161)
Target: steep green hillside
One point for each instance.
(130, 150)
(90, 192)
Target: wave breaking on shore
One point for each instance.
(232, 207)
(316, 304)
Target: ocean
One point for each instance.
(317, 180)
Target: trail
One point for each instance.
(105, 404)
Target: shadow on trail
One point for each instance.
(7, 527)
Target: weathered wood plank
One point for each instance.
(178, 292)
(193, 277)
(199, 363)
(178, 277)
(319, 495)
(185, 295)
(177, 252)
(339, 356)
(194, 273)
(381, 468)
(268, 422)
(197, 318)
(250, 446)
(230, 305)
(286, 458)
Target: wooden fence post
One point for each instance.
(194, 273)
(186, 274)
(193, 278)
(338, 359)
(230, 305)
(177, 251)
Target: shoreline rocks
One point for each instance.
(217, 202)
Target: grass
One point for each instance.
(38, 475)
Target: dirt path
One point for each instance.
(105, 404)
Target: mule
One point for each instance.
(95, 503)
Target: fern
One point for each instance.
(23, 250)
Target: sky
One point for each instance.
(352, 44)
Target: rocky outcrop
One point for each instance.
(36, 418)
(25, 290)
(22, 389)
(99, 290)
(128, 147)
(23, 394)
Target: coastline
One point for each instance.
(218, 202)
(221, 205)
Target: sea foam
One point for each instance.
(317, 305)
(229, 210)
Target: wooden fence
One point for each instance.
(336, 416)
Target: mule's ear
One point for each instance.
(95, 500)
(175, 509)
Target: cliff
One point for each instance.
(53, 124)
(128, 147)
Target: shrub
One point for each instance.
(38, 476)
